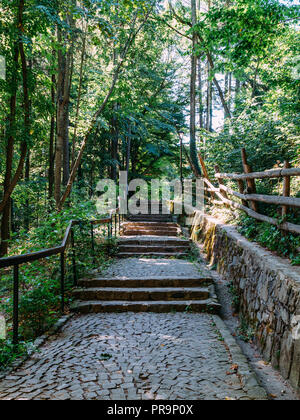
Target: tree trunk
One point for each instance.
(52, 138)
(209, 101)
(193, 146)
(62, 153)
(237, 91)
(27, 206)
(83, 54)
(200, 88)
(5, 222)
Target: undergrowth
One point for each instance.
(283, 243)
(40, 299)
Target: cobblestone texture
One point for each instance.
(137, 356)
(153, 356)
(143, 267)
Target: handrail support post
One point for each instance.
(62, 281)
(16, 306)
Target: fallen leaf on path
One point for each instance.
(235, 368)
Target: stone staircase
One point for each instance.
(150, 229)
(151, 236)
(146, 294)
(148, 246)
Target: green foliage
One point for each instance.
(9, 352)
(235, 297)
(245, 332)
(39, 309)
(269, 236)
(40, 299)
(243, 29)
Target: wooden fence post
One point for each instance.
(250, 182)
(205, 172)
(242, 190)
(221, 182)
(286, 189)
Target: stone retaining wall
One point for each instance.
(268, 289)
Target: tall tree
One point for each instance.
(193, 144)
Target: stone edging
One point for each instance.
(36, 345)
(267, 290)
(248, 377)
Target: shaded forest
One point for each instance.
(93, 88)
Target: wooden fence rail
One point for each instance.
(273, 173)
(248, 195)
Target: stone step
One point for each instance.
(158, 241)
(148, 233)
(153, 254)
(164, 212)
(151, 218)
(142, 294)
(207, 306)
(141, 249)
(153, 211)
(150, 225)
(171, 231)
(149, 282)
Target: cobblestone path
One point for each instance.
(134, 356)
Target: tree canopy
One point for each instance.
(95, 87)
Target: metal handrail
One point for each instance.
(17, 260)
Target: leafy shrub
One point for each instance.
(246, 333)
(40, 298)
(9, 353)
(235, 298)
(39, 309)
(284, 243)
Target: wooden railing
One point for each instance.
(113, 223)
(248, 193)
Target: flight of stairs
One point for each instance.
(147, 294)
(151, 236)
(150, 229)
(147, 246)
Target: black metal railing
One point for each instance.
(113, 223)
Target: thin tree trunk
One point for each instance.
(128, 44)
(83, 54)
(52, 138)
(60, 121)
(27, 205)
(62, 155)
(6, 202)
(115, 144)
(237, 91)
(128, 154)
(200, 88)
(193, 146)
